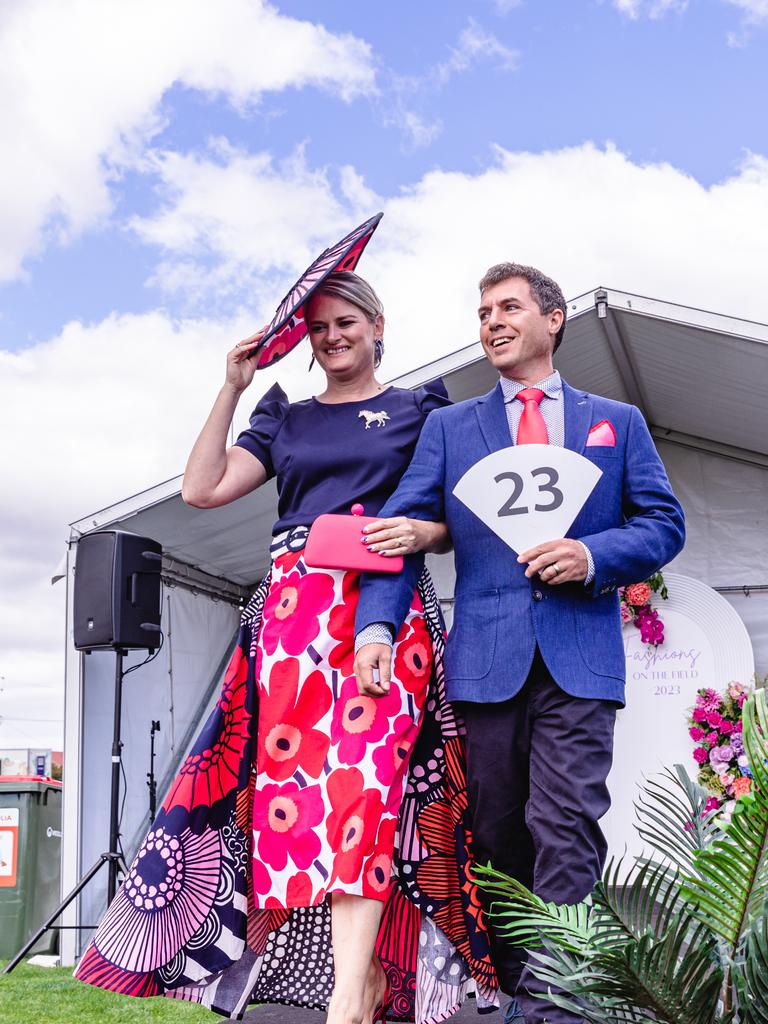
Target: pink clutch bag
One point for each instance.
(334, 543)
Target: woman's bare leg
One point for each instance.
(360, 982)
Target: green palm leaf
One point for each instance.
(755, 972)
(627, 908)
(671, 819)
(755, 717)
(568, 973)
(522, 918)
(730, 885)
(675, 980)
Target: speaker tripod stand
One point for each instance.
(113, 858)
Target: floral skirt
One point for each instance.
(298, 787)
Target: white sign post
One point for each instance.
(529, 493)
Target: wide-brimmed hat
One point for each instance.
(288, 326)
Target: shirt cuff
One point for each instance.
(376, 633)
(590, 564)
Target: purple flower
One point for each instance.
(720, 755)
(737, 743)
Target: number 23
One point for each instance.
(509, 508)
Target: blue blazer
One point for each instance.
(632, 524)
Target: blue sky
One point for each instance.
(170, 168)
(546, 75)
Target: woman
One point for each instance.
(273, 881)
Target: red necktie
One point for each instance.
(532, 428)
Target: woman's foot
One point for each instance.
(376, 992)
(342, 1010)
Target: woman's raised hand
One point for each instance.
(240, 369)
(402, 536)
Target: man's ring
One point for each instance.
(555, 568)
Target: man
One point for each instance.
(534, 659)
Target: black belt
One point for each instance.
(293, 540)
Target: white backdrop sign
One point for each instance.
(706, 644)
(529, 493)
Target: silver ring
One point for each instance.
(556, 568)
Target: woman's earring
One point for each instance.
(311, 363)
(378, 351)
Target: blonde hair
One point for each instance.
(352, 288)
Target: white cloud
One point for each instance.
(418, 130)
(653, 9)
(649, 228)
(505, 6)
(476, 44)
(94, 426)
(232, 219)
(754, 15)
(75, 110)
(754, 10)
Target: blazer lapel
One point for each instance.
(577, 406)
(492, 417)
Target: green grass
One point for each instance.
(50, 995)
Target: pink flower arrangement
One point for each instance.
(636, 608)
(650, 625)
(715, 726)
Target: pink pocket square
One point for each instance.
(602, 434)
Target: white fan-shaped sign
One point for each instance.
(530, 493)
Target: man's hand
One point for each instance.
(373, 669)
(557, 561)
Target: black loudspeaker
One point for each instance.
(117, 591)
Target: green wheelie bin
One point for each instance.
(30, 860)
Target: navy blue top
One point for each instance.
(323, 456)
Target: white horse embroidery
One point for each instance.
(379, 418)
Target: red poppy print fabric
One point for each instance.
(293, 610)
(339, 811)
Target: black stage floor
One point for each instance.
(273, 1014)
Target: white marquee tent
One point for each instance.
(700, 379)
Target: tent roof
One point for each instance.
(698, 377)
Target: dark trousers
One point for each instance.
(537, 766)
